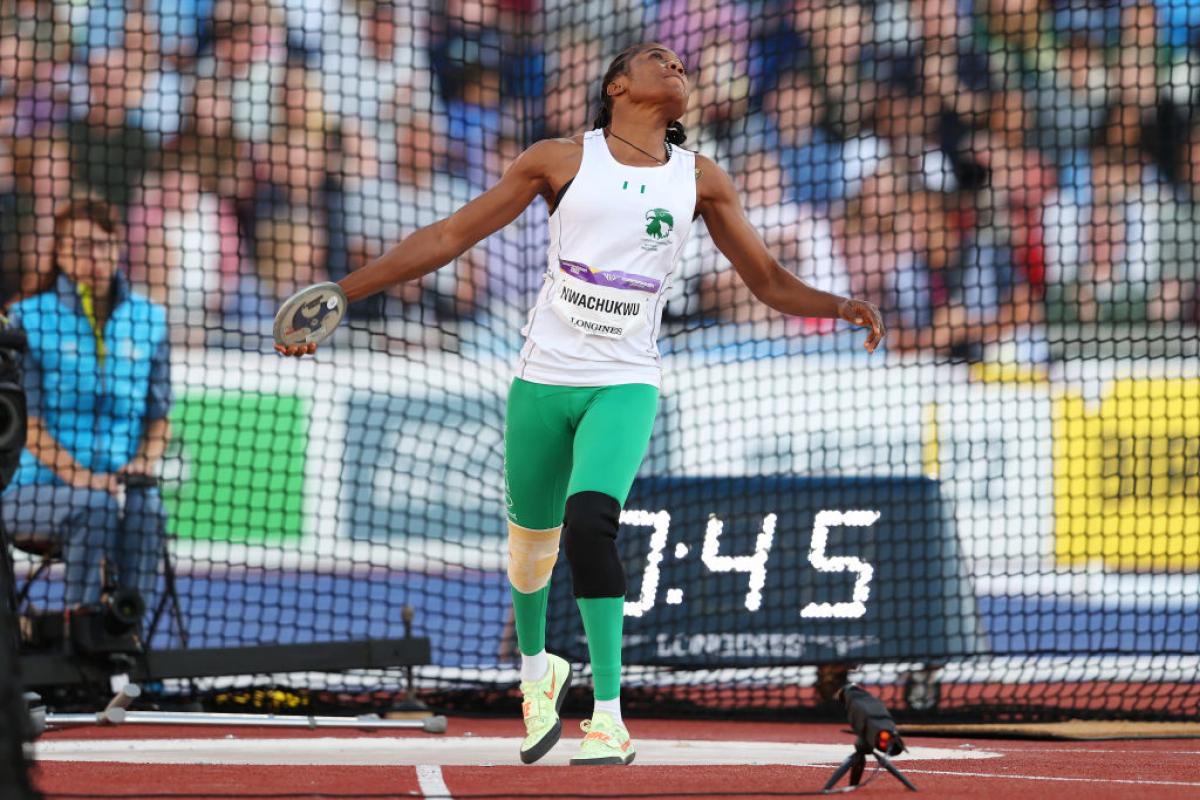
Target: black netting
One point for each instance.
(996, 513)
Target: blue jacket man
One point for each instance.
(97, 378)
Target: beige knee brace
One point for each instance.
(531, 557)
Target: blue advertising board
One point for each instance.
(736, 572)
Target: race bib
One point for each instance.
(605, 303)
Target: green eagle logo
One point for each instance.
(660, 223)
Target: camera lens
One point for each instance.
(12, 433)
(123, 610)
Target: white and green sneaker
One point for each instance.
(541, 701)
(607, 742)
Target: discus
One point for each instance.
(310, 315)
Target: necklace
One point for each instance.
(613, 134)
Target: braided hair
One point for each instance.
(676, 135)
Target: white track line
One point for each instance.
(433, 785)
(452, 751)
(905, 769)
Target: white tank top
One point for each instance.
(615, 239)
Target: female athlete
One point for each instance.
(622, 198)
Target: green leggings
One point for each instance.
(558, 441)
(561, 440)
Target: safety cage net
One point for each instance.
(997, 512)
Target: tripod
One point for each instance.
(857, 761)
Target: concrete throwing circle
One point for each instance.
(451, 751)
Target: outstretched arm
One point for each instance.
(436, 245)
(736, 238)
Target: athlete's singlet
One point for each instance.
(615, 239)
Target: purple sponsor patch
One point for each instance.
(611, 277)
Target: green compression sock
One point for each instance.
(603, 622)
(530, 613)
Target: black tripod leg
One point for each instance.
(158, 610)
(170, 597)
(840, 771)
(176, 609)
(860, 763)
(890, 767)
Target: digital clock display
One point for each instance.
(782, 570)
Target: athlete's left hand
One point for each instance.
(862, 313)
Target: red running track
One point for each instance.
(1159, 769)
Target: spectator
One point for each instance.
(229, 99)
(838, 33)
(954, 66)
(522, 69)
(579, 64)
(809, 151)
(575, 21)
(373, 72)
(1137, 73)
(41, 179)
(158, 109)
(1107, 239)
(1006, 250)
(177, 244)
(35, 75)
(1071, 101)
(775, 48)
(180, 25)
(100, 26)
(108, 154)
(98, 385)
(944, 279)
(798, 236)
(292, 170)
(720, 101)
(381, 211)
(865, 231)
(245, 71)
(467, 57)
(1175, 142)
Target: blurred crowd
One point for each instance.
(980, 169)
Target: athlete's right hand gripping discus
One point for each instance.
(310, 315)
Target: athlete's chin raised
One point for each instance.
(674, 106)
(671, 96)
(667, 103)
(677, 93)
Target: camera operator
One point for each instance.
(96, 374)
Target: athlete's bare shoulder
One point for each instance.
(555, 160)
(573, 141)
(712, 182)
(549, 151)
